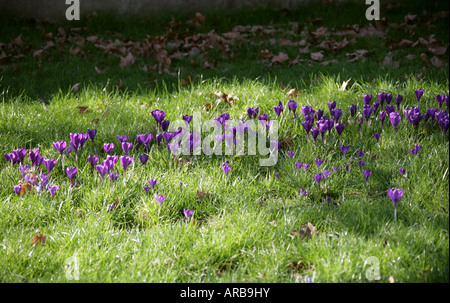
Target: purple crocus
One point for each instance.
(52, 189)
(292, 105)
(187, 213)
(331, 106)
(279, 108)
(318, 178)
(298, 165)
(226, 167)
(71, 172)
(377, 137)
(34, 156)
(93, 159)
(165, 125)
(402, 172)
(49, 163)
(113, 177)
(187, 118)
(398, 100)
(159, 115)
(335, 169)
(326, 174)
(367, 174)
(344, 149)
(291, 153)
(360, 153)
(24, 169)
(108, 147)
(395, 119)
(367, 111)
(440, 100)
(367, 98)
(125, 161)
(388, 98)
(382, 116)
(307, 125)
(319, 162)
(252, 112)
(92, 133)
(353, 109)
(303, 193)
(375, 106)
(395, 194)
(122, 139)
(336, 113)
(126, 146)
(152, 182)
(361, 163)
(102, 169)
(18, 189)
(382, 98)
(263, 117)
(146, 139)
(314, 133)
(20, 154)
(319, 114)
(160, 199)
(419, 94)
(340, 128)
(306, 111)
(306, 166)
(143, 159)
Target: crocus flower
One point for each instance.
(395, 118)
(18, 189)
(71, 172)
(102, 170)
(49, 163)
(322, 125)
(187, 118)
(165, 125)
(303, 193)
(10, 157)
(319, 162)
(291, 153)
(353, 109)
(318, 178)
(93, 159)
(367, 174)
(417, 147)
(187, 213)
(361, 163)
(159, 115)
(377, 137)
(319, 114)
(20, 154)
(77, 141)
(360, 122)
(125, 161)
(398, 100)
(147, 138)
(382, 116)
(298, 165)
(367, 98)
(375, 106)
(306, 166)
(226, 167)
(126, 146)
(340, 128)
(91, 133)
(307, 125)
(360, 153)
(336, 113)
(306, 110)
(402, 172)
(160, 199)
(326, 174)
(344, 149)
(113, 177)
(143, 159)
(314, 133)
(263, 117)
(252, 112)
(419, 94)
(23, 170)
(388, 98)
(395, 194)
(415, 118)
(331, 106)
(440, 100)
(152, 182)
(335, 169)
(292, 105)
(382, 98)
(108, 147)
(367, 111)
(34, 155)
(279, 108)
(122, 139)
(52, 189)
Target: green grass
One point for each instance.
(244, 230)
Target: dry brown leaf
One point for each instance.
(84, 109)
(317, 56)
(280, 58)
(208, 106)
(75, 51)
(405, 43)
(306, 231)
(38, 53)
(202, 195)
(436, 61)
(186, 81)
(437, 50)
(41, 239)
(325, 63)
(228, 98)
(127, 61)
(92, 38)
(293, 92)
(98, 70)
(76, 87)
(264, 54)
(356, 55)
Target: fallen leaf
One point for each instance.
(127, 61)
(436, 61)
(75, 51)
(438, 50)
(98, 70)
(228, 98)
(202, 195)
(280, 58)
(306, 231)
(264, 54)
(358, 54)
(293, 92)
(41, 239)
(76, 87)
(317, 56)
(83, 109)
(186, 81)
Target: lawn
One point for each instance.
(252, 224)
